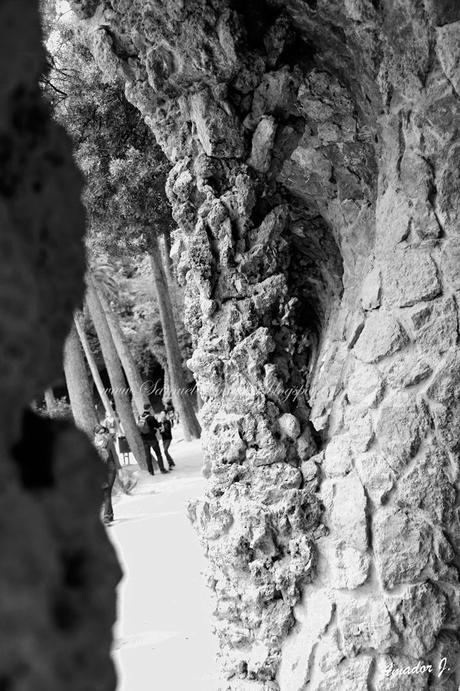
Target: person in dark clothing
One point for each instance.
(104, 444)
(148, 425)
(170, 413)
(166, 437)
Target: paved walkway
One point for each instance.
(163, 635)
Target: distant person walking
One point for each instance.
(111, 425)
(104, 444)
(148, 425)
(170, 413)
(166, 437)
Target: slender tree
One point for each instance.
(129, 365)
(165, 245)
(92, 365)
(166, 382)
(135, 183)
(125, 193)
(115, 372)
(181, 397)
(78, 384)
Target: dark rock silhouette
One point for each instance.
(58, 571)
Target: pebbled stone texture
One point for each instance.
(314, 151)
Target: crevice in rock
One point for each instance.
(257, 17)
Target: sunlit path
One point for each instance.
(163, 638)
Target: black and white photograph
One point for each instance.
(229, 345)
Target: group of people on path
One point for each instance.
(149, 426)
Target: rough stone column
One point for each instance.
(315, 184)
(58, 572)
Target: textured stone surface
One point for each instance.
(448, 40)
(371, 290)
(404, 547)
(450, 263)
(358, 421)
(427, 487)
(400, 428)
(445, 386)
(338, 459)
(364, 386)
(406, 369)
(418, 616)
(364, 625)
(381, 336)
(408, 278)
(350, 675)
(315, 182)
(59, 572)
(262, 144)
(376, 475)
(436, 326)
(347, 511)
(347, 567)
(298, 649)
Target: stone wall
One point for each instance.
(315, 185)
(58, 572)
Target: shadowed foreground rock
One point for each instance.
(315, 182)
(58, 572)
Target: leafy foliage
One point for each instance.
(125, 173)
(61, 410)
(124, 168)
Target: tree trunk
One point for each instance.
(130, 368)
(93, 366)
(167, 395)
(116, 376)
(181, 398)
(165, 246)
(50, 401)
(78, 384)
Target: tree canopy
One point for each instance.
(125, 173)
